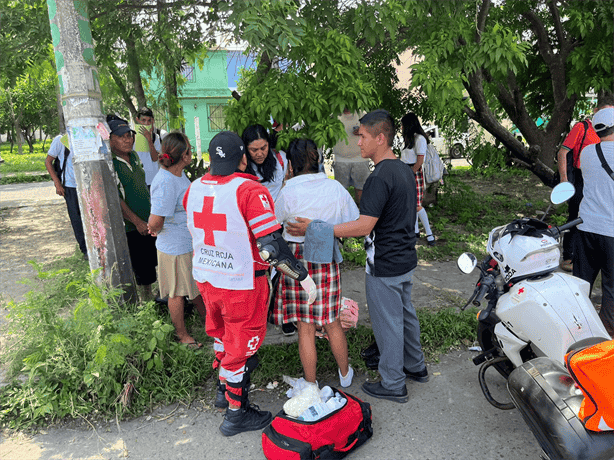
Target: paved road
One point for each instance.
(446, 418)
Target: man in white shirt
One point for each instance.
(594, 246)
(350, 168)
(66, 185)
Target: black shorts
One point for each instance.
(144, 257)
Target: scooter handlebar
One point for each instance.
(558, 230)
(484, 287)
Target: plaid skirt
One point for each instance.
(419, 187)
(291, 299)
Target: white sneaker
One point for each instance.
(346, 381)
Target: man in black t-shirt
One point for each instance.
(387, 219)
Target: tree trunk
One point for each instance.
(134, 73)
(172, 101)
(113, 70)
(30, 138)
(539, 156)
(16, 124)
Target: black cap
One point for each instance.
(145, 112)
(119, 127)
(225, 152)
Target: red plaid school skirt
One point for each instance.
(419, 187)
(291, 300)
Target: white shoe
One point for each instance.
(346, 381)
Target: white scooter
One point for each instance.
(532, 310)
(533, 318)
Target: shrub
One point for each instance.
(78, 352)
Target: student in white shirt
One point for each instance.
(416, 141)
(309, 193)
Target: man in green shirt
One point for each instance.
(135, 203)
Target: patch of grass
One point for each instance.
(440, 331)
(474, 201)
(21, 178)
(72, 350)
(470, 204)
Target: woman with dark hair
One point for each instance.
(168, 221)
(267, 164)
(416, 141)
(309, 193)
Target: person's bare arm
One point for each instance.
(155, 224)
(128, 214)
(418, 164)
(360, 227)
(562, 162)
(59, 188)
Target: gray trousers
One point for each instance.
(395, 326)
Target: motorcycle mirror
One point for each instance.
(467, 262)
(562, 192)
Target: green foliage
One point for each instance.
(135, 45)
(197, 168)
(30, 103)
(79, 353)
(489, 157)
(353, 251)
(24, 36)
(319, 75)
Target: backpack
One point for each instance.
(432, 167)
(60, 168)
(332, 437)
(572, 159)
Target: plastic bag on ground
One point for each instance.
(302, 395)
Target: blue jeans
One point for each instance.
(395, 326)
(74, 214)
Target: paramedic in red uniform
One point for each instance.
(234, 232)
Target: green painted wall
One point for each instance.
(204, 96)
(205, 91)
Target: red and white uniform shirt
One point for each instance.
(226, 214)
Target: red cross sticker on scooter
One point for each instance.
(208, 221)
(521, 290)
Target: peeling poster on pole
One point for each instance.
(83, 140)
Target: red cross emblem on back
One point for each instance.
(208, 221)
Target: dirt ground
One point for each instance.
(40, 233)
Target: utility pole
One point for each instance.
(88, 133)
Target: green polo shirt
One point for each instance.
(132, 187)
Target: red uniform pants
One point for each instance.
(237, 320)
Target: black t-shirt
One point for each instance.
(390, 195)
